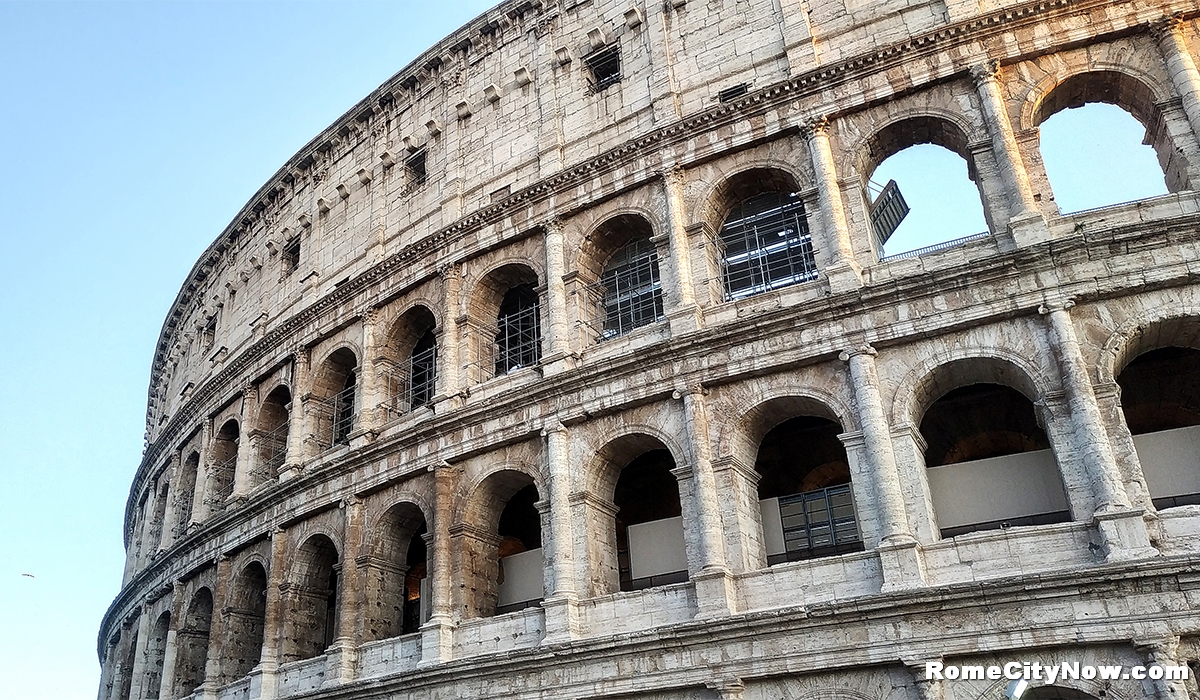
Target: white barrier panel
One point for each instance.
(522, 580)
(656, 548)
(1170, 461)
(998, 488)
(772, 526)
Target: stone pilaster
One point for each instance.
(679, 292)
(844, 272)
(264, 678)
(201, 495)
(216, 632)
(137, 688)
(342, 664)
(449, 344)
(1025, 222)
(1120, 525)
(899, 553)
(298, 417)
(1182, 67)
(559, 549)
(702, 512)
(557, 344)
(171, 512)
(171, 646)
(370, 383)
(437, 635)
(242, 480)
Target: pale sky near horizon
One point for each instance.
(134, 132)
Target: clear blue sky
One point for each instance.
(133, 132)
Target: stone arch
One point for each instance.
(335, 386)
(1133, 90)
(192, 641)
(927, 126)
(226, 444)
(594, 476)
(489, 584)
(618, 266)
(1156, 365)
(409, 359)
(393, 539)
(314, 578)
(635, 527)
(245, 618)
(772, 406)
(717, 198)
(912, 394)
(792, 441)
(764, 240)
(504, 313)
(274, 425)
(989, 456)
(156, 650)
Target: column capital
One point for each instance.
(1166, 27)
(864, 349)
(690, 390)
(1049, 307)
(672, 175)
(986, 72)
(815, 126)
(448, 271)
(552, 224)
(554, 426)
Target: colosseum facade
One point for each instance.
(568, 364)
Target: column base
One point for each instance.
(290, 471)
(341, 662)
(715, 594)
(902, 563)
(1123, 535)
(437, 641)
(1028, 228)
(684, 320)
(844, 276)
(264, 681)
(557, 363)
(562, 620)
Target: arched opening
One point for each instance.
(623, 263)
(988, 459)
(185, 493)
(334, 388)
(1160, 396)
(765, 242)
(397, 585)
(224, 460)
(804, 489)
(506, 297)
(1104, 141)
(923, 188)
(245, 622)
(156, 649)
(274, 422)
(311, 623)
(502, 551)
(648, 523)
(191, 643)
(518, 334)
(411, 362)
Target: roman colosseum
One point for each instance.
(569, 364)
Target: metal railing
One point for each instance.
(765, 245)
(222, 480)
(518, 340)
(335, 418)
(272, 451)
(412, 386)
(936, 247)
(630, 290)
(818, 523)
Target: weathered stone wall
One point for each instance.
(531, 178)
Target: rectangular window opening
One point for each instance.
(605, 68)
(732, 93)
(291, 256)
(415, 168)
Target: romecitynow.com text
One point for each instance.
(937, 671)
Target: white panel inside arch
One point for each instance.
(998, 488)
(522, 578)
(656, 548)
(1170, 461)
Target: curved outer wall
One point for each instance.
(494, 162)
